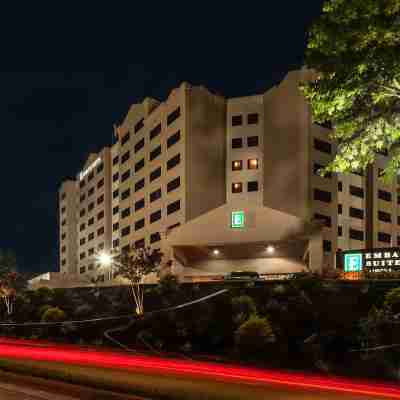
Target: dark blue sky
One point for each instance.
(67, 74)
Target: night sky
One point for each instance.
(68, 74)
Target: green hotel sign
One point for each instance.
(353, 262)
(237, 219)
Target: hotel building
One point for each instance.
(180, 168)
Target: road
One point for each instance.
(186, 377)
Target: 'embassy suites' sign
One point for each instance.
(374, 260)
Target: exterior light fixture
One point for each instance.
(104, 259)
(216, 252)
(270, 249)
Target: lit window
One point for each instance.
(252, 163)
(237, 187)
(237, 165)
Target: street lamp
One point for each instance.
(270, 249)
(104, 259)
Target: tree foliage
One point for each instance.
(134, 266)
(355, 47)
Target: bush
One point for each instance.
(392, 299)
(53, 314)
(42, 310)
(253, 336)
(242, 308)
(169, 283)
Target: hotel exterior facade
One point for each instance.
(179, 168)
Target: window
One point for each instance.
(237, 143)
(384, 216)
(126, 231)
(357, 191)
(155, 195)
(326, 124)
(91, 251)
(340, 209)
(100, 215)
(126, 175)
(356, 213)
(155, 174)
(82, 227)
(90, 176)
(82, 270)
(398, 220)
(82, 183)
(63, 236)
(252, 163)
(125, 138)
(322, 195)
(237, 187)
(356, 234)
(82, 198)
(252, 119)
(101, 278)
(90, 236)
(237, 165)
(100, 168)
(139, 204)
(174, 184)
(115, 160)
(174, 226)
(139, 224)
(115, 177)
(384, 237)
(318, 168)
(155, 131)
(340, 186)
(139, 165)
(173, 207)
(91, 191)
(252, 186)
(322, 146)
(384, 195)
(90, 267)
(155, 216)
(139, 185)
(237, 120)
(252, 141)
(155, 153)
(82, 255)
(125, 213)
(125, 157)
(155, 237)
(63, 210)
(139, 243)
(174, 161)
(63, 262)
(139, 145)
(91, 221)
(327, 220)
(115, 193)
(125, 249)
(115, 210)
(115, 243)
(63, 249)
(63, 196)
(63, 222)
(100, 199)
(339, 230)
(100, 183)
(100, 231)
(327, 246)
(173, 139)
(398, 199)
(82, 212)
(115, 226)
(173, 116)
(139, 125)
(125, 194)
(91, 206)
(100, 246)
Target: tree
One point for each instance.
(134, 267)
(10, 280)
(354, 46)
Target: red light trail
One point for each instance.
(69, 354)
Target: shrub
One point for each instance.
(53, 314)
(392, 299)
(42, 310)
(253, 336)
(169, 283)
(242, 308)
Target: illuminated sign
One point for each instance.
(237, 219)
(89, 168)
(374, 260)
